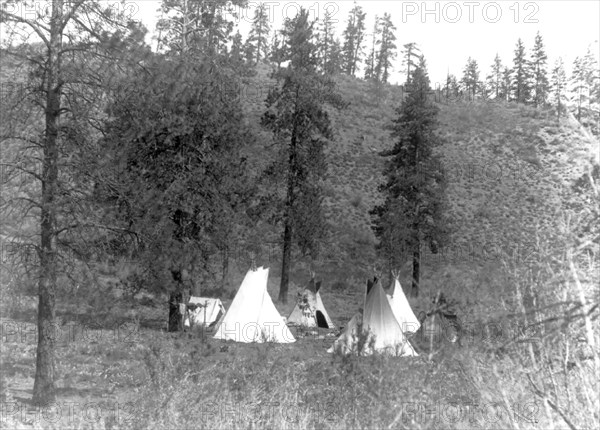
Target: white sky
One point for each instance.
(448, 32)
(452, 30)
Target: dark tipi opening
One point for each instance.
(321, 320)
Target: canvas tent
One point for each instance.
(381, 331)
(204, 312)
(401, 308)
(309, 311)
(252, 316)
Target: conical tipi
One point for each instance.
(252, 316)
(381, 332)
(309, 311)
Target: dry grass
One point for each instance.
(520, 365)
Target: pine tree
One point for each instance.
(387, 49)
(297, 117)
(592, 79)
(179, 162)
(451, 88)
(259, 34)
(249, 51)
(579, 88)
(506, 84)
(334, 66)
(495, 78)
(236, 52)
(585, 89)
(277, 51)
(538, 72)
(559, 86)
(370, 66)
(470, 80)
(196, 26)
(326, 42)
(411, 55)
(354, 36)
(72, 66)
(415, 199)
(520, 86)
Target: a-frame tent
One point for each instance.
(312, 314)
(381, 332)
(401, 308)
(252, 316)
(204, 312)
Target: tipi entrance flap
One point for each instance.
(321, 320)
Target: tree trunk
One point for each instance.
(44, 388)
(224, 268)
(286, 261)
(174, 314)
(352, 61)
(184, 27)
(258, 47)
(416, 270)
(289, 208)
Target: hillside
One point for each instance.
(509, 168)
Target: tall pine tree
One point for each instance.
(277, 50)
(259, 34)
(505, 85)
(70, 66)
(300, 124)
(539, 73)
(495, 77)
(559, 86)
(470, 80)
(411, 55)
(387, 48)
(327, 48)
(413, 213)
(585, 90)
(520, 85)
(579, 89)
(354, 36)
(372, 58)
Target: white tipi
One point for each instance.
(252, 316)
(381, 332)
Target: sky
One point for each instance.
(448, 32)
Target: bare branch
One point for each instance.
(37, 27)
(71, 14)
